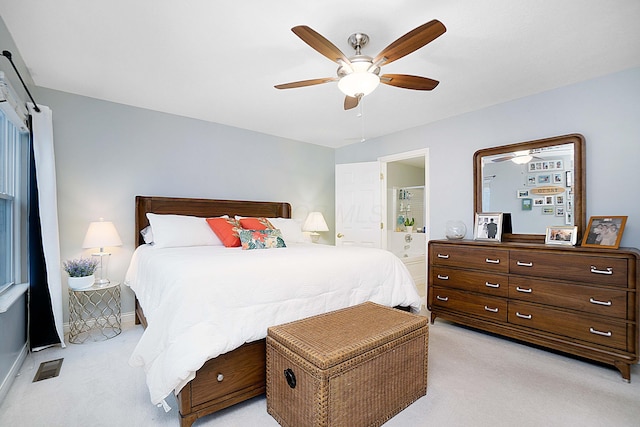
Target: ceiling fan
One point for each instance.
(519, 157)
(359, 75)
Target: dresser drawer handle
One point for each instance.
(220, 378)
(493, 310)
(525, 290)
(604, 334)
(445, 299)
(443, 256)
(523, 316)
(441, 277)
(492, 285)
(595, 270)
(595, 301)
(524, 264)
(492, 261)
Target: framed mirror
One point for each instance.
(539, 183)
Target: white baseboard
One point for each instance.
(127, 320)
(13, 372)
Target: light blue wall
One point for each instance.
(605, 110)
(108, 153)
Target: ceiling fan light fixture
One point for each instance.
(360, 81)
(522, 157)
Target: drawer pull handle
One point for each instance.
(220, 377)
(443, 256)
(595, 301)
(445, 299)
(523, 316)
(492, 285)
(524, 264)
(595, 270)
(492, 261)
(493, 310)
(597, 332)
(441, 277)
(525, 290)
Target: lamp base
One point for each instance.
(101, 283)
(315, 237)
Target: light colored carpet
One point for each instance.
(475, 379)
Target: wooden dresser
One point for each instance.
(581, 301)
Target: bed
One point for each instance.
(222, 369)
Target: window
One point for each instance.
(14, 157)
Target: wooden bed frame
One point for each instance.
(240, 374)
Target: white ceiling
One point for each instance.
(218, 61)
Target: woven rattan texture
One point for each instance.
(331, 338)
(365, 390)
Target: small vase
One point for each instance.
(455, 230)
(78, 283)
(409, 228)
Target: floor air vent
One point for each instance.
(48, 370)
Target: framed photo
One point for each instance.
(544, 179)
(561, 235)
(548, 210)
(488, 226)
(527, 204)
(522, 194)
(604, 231)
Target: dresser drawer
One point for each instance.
(494, 284)
(604, 301)
(588, 269)
(602, 331)
(473, 257)
(473, 304)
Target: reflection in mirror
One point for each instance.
(540, 183)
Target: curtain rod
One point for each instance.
(7, 55)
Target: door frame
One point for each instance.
(423, 152)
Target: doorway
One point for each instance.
(406, 193)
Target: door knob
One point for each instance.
(340, 235)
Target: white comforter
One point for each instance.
(204, 301)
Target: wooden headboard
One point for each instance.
(204, 208)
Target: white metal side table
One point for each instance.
(94, 313)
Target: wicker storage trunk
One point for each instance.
(354, 367)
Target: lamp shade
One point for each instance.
(101, 234)
(315, 222)
(360, 81)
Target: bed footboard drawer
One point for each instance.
(230, 373)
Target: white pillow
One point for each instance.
(147, 235)
(290, 228)
(181, 230)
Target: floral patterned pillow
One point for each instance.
(226, 229)
(261, 239)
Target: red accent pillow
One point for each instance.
(226, 229)
(256, 224)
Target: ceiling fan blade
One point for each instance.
(411, 41)
(409, 82)
(319, 43)
(303, 83)
(351, 102)
(503, 159)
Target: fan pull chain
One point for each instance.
(361, 115)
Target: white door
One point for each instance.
(359, 204)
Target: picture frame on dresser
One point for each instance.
(604, 232)
(488, 226)
(561, 235)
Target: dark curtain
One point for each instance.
(42, 328)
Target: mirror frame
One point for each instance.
(579, 179)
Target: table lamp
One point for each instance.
(100, 235)
(315, 222)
